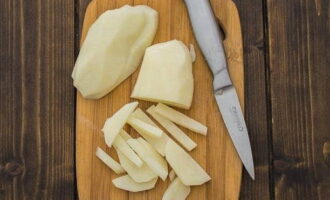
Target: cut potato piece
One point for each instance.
(114, 124)
(127, 183)
(110, 162)
(180, 118)
(138, 174)
(158, 143)
(121, 145)
(176, 132)
(171, 175)
(166, 75)
(176, 191)
(113, 49)
(192, 52)
(185, 167)
(141, 115)
(149, 155)
(145, 127)
(125, 135)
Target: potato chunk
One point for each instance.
(113, 49)
(166, 75)
(127, 183)
(110, 162)
(185, 167)
(180, 119)
(114, 124)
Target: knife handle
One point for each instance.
(209, 39)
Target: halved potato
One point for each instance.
(121, 145)
(176, 191)
(127, 183)
(158, 143)
(166, 75)
(185, 167)
(180, 118)
(114, 124)
(110, 162)
(150, 156)
(113, 49)
(138, 174)
(144, 127)
(175, 131)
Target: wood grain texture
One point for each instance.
(215, 152)
(300, 84)
(256, 102)
(37, 99)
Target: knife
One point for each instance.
(209, 38)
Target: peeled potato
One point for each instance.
(127, 183)
(180, 118)
(121, 145)
(176, 191)
(114, 124)
(149, 155)
(113, 49)
(175, 131)
(110, 162)
(141, 115)
(158, 143)
(144, 127)
(125, 135)
(138, 174)
(166, 75)
(185, 167)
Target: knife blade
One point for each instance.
(209, 38)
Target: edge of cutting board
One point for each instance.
(226, 184)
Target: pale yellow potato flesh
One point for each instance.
(125, 135)
(113, 49)
(114, 124)
(110, 162)
(166, 75)
(121, 145)
(150, 156)
(158, 143)
(138, 174)
(127, 183)
(176, 191)
(140, 114)
(175, 131)
(144, 127)
(180, 118)
(185, 167)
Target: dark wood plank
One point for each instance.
(251, 14)
(37, 99)
(300, 84)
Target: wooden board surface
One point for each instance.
(36, 100)
(214, 152)
(299, 88)
(257, 112)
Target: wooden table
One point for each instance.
(287, 74)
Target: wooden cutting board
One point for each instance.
(215, 152)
